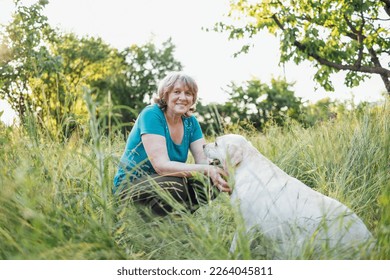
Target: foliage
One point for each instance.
(209, 117)
(260, 104)
(255, 106)
(323, 110)
(25, 56)
(334, 35)
(83, 62)
(46, 72)
(135, 81)
(55, 200)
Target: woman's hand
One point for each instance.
(217, 175)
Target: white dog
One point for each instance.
(282, 208)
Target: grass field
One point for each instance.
(56, 202)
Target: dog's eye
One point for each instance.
(216, 145)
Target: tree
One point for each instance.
(253, 105)
(25, 56)
(212, 117)
(135, 81)
(348, 35)
(44, 71)
(321, 111)
(84, 63)
(47, 72)
(260, 103)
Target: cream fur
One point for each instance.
(283, 208)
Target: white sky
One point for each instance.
(207, 56)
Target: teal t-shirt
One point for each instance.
(134, 162)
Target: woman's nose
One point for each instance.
(182, 95)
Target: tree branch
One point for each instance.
(387, 6)
(375, 60)
(358, 36)
(364, 69)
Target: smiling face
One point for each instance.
(177, 94)
(179, 99)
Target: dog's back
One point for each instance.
(296, 218)
(285, 209)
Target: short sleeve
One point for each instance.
(151, 121)
(196, 130)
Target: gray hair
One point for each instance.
(166, 86)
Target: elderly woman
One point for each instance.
(157, 149)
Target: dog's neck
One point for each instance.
(248, 167)
(248, 156)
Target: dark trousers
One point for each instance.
(162, 193)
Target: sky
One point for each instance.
(207, 56)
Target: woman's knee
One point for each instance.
(202, 190)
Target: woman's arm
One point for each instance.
(155, 147)
(196, 149)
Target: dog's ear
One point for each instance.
(236, 154)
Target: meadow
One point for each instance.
(56, 201)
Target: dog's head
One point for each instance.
(229, 150)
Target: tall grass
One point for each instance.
(55, 200)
